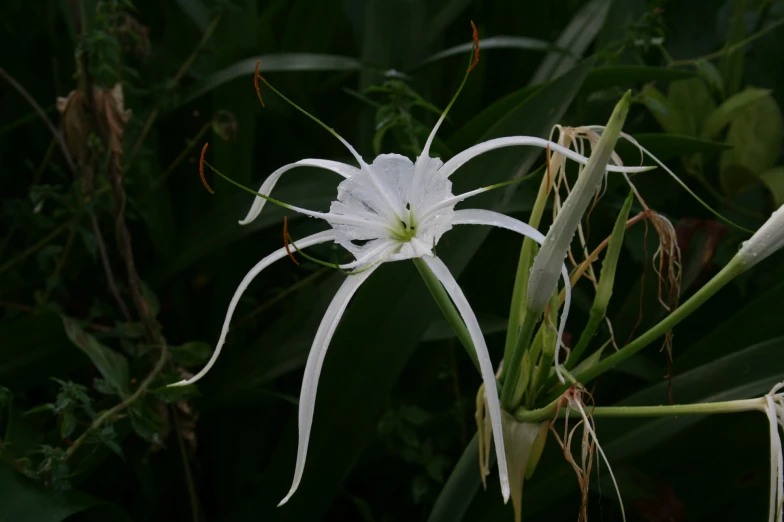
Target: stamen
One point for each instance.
(201, 170)
(256, 78)
(476, 47)
(474, 59)
(287, 239)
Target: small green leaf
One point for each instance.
(692, 100)
(172, 394)
(756, 135)
(192, 353)
(67, 424)
(112, 365)
(774, 180)
(662, 109)
(725, 112)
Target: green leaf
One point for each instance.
(283, 62)
(359, 379)
(23, 501)
(669, 146)
(629, 75)
(494, 42)
(575, 39)
(112, 365)
(193, 353)
(441, 330)
(712, 76)
(662, 109)
(692, 100)
(460, 487)
(197, 12)
(725, 112)
(34, 348)
(482, 122)
(774, 180)
(217, 228)
(720, 380)
(756, 135)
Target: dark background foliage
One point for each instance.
(397, 395)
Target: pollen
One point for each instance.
(476, 47)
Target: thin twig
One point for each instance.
(39, 245)
(194, 499)
(177, 77)
(60, 263)
(732, 48)
(108, 414)
(188, 147)
(56, 133)
(107, 268)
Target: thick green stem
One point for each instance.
(527, 254)
(706, 408)
(512, 365)
(447, 308)
(727, 274)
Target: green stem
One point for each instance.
(447, 308)
(527, 253)
(42, 243)
(706, 408)
(513, 364)
(108, 414)
(727, 274)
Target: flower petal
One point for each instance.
(776, 463)
(307, 396)
(258, 203)
(315, 239)
(459, 160)
(494, 219)
(486, 366)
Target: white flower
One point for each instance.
(389, 210)
(765, 241)
(774, 408)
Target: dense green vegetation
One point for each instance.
(117, 266)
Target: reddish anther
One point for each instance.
(201, 170)
(256, 78)
(287, 239)
(476, 47)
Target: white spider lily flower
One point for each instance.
(774, 408)
(546, 268)
(765, 241)
(392, 209)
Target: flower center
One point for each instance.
(405, 232)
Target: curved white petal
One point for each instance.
(485, 365)
(266, 188)
(459, 160)
(776, 463)
(494, 219)
(307, 396)
(315, 239)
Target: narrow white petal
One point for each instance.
(494, 219)
(321, 237)
(266, 188)
(459, 160)
(776, 464)
(307, 396)
(485, 365)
